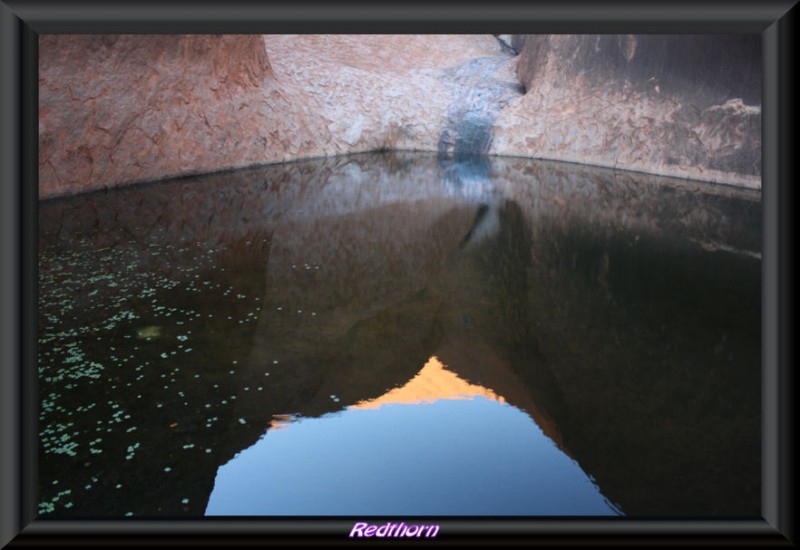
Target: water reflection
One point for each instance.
(616, 315)
(432, 383)
(417, 450)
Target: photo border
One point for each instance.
(22, 21)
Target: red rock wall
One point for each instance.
(128, 108)
(686, 106)
(116, 109)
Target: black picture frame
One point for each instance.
(22, 21)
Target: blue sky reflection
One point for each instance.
(475, 456)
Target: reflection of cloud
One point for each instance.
(432, 383)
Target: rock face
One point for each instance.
(686, 106)
(123, 109)
(118, 109)
(129, 108)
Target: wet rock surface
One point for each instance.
(480, 88)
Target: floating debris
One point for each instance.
(148, 333)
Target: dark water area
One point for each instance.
(401, 334)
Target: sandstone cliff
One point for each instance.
(130, 108)
(687, 106)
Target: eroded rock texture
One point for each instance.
(677, 105)
(129, 108)
(117, 109)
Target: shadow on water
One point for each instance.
(541, 339)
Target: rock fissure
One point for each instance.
(477, 97)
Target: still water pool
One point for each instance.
(398, 334)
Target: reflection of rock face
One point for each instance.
(672, 105)
(598, 294)
(620, 311)
(432, 382)
(563, 317)
(352, 291)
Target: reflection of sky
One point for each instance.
(450, 457)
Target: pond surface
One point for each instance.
(401, 334)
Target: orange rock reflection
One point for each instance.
(281, 421)
(432, 383)
(435, 382)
